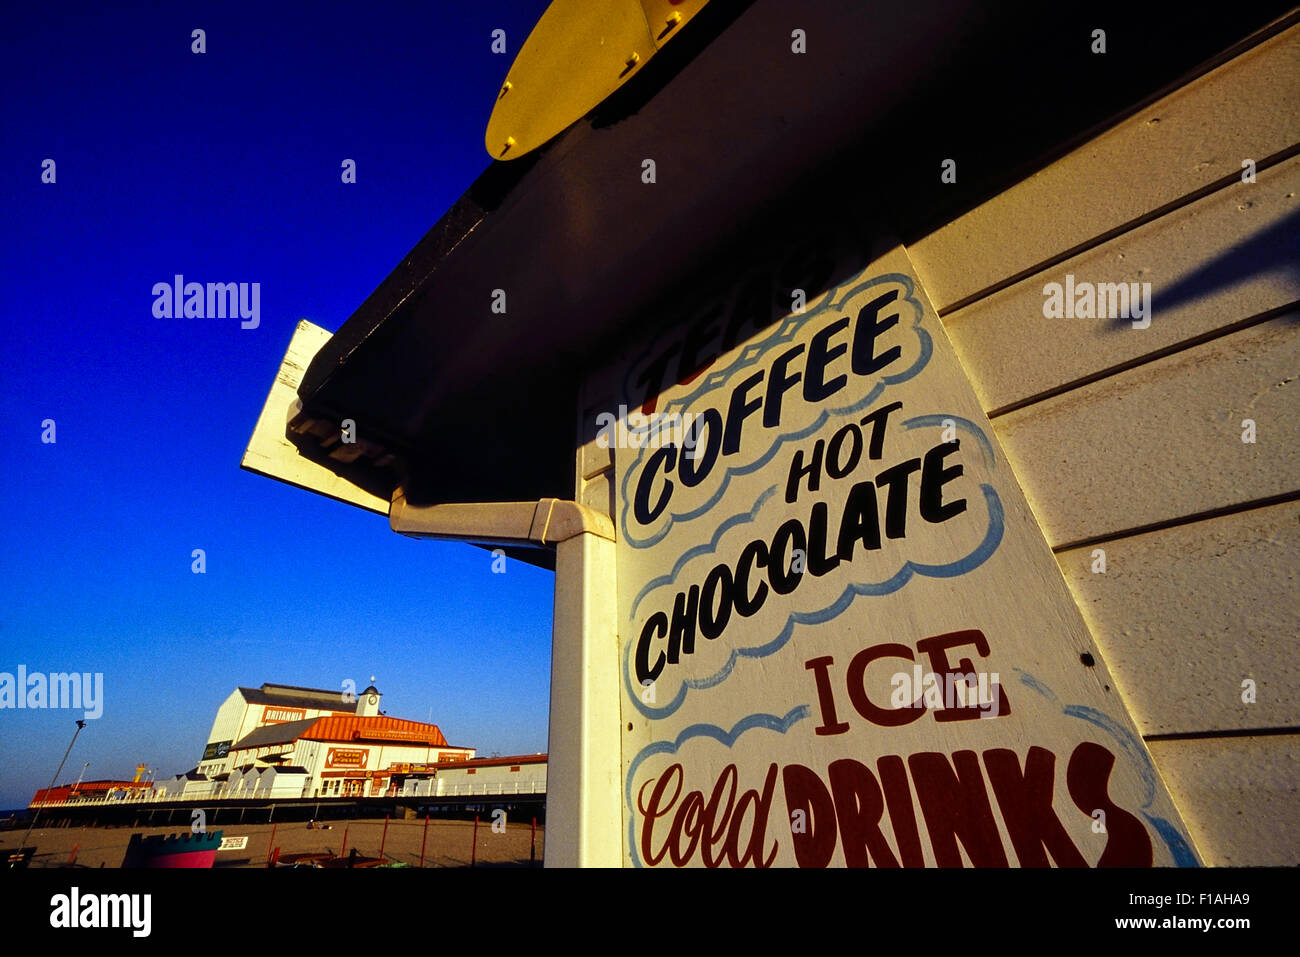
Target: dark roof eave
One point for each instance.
(583, 247)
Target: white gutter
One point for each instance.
(548, 522)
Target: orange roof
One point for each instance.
(375, 728)
(64, 792)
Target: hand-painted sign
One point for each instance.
(843, 637)
(234, 843)
(276, 715)
(347, 757)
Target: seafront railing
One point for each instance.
(486, 789)
(469, 790)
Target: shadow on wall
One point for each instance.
(1275, 249)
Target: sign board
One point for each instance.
(347, 757)
(216, 749)
(270, 450)
(273, 714)
(575, 57)
(399, 734)
(843, 638)
(234, 843)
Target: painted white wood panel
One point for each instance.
(1240, 797)
(1164, 440)
(1221, 260)
(270, 452)
(1248, 108)
(1183, 615)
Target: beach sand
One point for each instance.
(448, 842)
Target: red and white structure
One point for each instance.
(284, 742)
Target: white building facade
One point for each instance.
(247, 709)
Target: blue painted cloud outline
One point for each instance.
(965, 425)
(1132, 748)
(742, 518)
(961, 566)
(749, 356)
(728, 738)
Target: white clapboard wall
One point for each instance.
(1129, 442)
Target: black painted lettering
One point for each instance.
(655, 626)
(877, 418)
(694, 470)
(664, 458)
(869, 326)
(778, 384)
(738, 411)
(789, 536)
(816, 387)
(834, 468)
(753, 556)
(717, 589)
(797, 470)
(681, 632)
(819, 563)
(933, 478)
(895, 479)
(860, 522)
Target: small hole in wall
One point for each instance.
(1087, 659)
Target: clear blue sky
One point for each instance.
(225, 166)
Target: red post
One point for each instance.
(473, 842)
(72, 858)
(383, 838)
(425, 838)
(344, 849)
(275, 856)
(532, 845)
(271, 843)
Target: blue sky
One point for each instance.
(225, 167)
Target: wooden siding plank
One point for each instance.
(1184, 614)
(1248, 108)
(1164, 440)
(1240, 797)
(1216, 262)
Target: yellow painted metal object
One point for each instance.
(579, 53)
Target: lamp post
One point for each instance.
(23, 843)
(76, 788)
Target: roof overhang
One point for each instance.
(460, 404)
